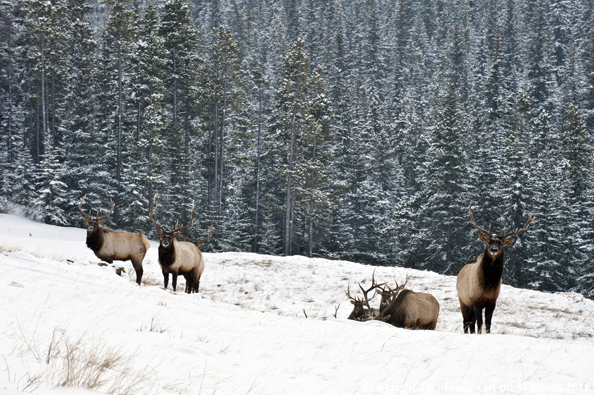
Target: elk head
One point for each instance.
(94, 223)
(166, 236)
(362, 310)
(389, 295)
(494, 242)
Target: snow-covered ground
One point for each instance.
(70, 326)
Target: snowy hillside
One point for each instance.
(67, 322)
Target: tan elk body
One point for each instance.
(478, 284)
(179, 257)
(111, 245)
(412, 310)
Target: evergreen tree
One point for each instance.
(443, 214)
(183, 70)
(144, 171)
(83, 165)
(118, 37)
(292, 119)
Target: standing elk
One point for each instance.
(478, 284)
(179, 257)
(400, 307)
(110, 245)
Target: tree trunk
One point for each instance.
(311, 202)
(289, 212)
(222, 148)
(55, 138)
(43, 110)
(258, 164)
(10, 153)
(174, 91)
(119, 148)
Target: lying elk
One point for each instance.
(110, 245)
(478, 284)
(362, 311)
(179, 257)
(404, 308)
(400, 307)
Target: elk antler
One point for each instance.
(488, 233)
(365, 293)
(151, 211)
(517, 232)
(103, 218)
(373, 286)
(178, 229)
(200, 242)
(86, 217)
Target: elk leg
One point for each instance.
(467, 318)
(197, 285)
(189, 283)
(174, 281)
(478, 312)
(165, 279)
(139, 271)
(488, 315)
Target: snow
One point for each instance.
(246, 332)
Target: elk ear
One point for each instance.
(507, 242)
(87, 220)
(100, 222)
(159, 233)
(484, 238)
(352, 301)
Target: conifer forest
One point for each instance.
(355, 130)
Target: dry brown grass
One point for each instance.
(149, 280)
(84, 362)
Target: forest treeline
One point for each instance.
(356, 130)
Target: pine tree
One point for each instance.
(443, 213)
(182, 94)
(119, 34)
(293, 117)
(546, 242)
(576, 153)
(83, 164)
(513, 189)
(144, 171)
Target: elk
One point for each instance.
(362, 311)
(404, 308)
(478, 284)
(110, 245)
(179, 257)
(400, 307)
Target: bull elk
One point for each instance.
(400, 307)
(478, 284)
(404, 308)
(110, 245)
(362, 311)
(179, 257)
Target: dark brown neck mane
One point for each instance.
(492, 269)
(167, 254)
(95, 239)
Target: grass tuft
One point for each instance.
(83, 362)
